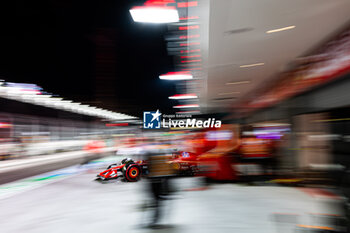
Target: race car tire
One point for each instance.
(132, 173)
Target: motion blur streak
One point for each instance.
(176, 116)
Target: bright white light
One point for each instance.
(32, 97)
(252, 65)
(176, 76)
(183, 97)
(148, 14)
(187, 106)
(281, 29)
(44, 96)
(48, 100)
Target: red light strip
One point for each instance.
(187, 106)
(189, 44)
(177, 73)
(189, 37)
(158, 2)
(5, 125)
(183, 96)
(188, 61)
(191, 51)
(187, 4)
(188, 27)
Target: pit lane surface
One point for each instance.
(69, 200)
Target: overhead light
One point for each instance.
(252, 65)
(154, 14)
(45, 97)
(187, 106)
(176, 76)
(183, 96)
(237, 83)
(281, 29)
(229, 93)
(37, 98)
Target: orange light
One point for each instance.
(315, 227)
(188, 61)
(5, 125)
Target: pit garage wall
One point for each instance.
(311, 135)
(308, 114)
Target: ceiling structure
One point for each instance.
(240, 50)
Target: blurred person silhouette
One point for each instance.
(160, 171)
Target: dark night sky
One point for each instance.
(52, 43)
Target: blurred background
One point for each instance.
(78, 77)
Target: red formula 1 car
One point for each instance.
(128, 170)
(185, 163)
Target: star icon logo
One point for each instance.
(156, 115)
